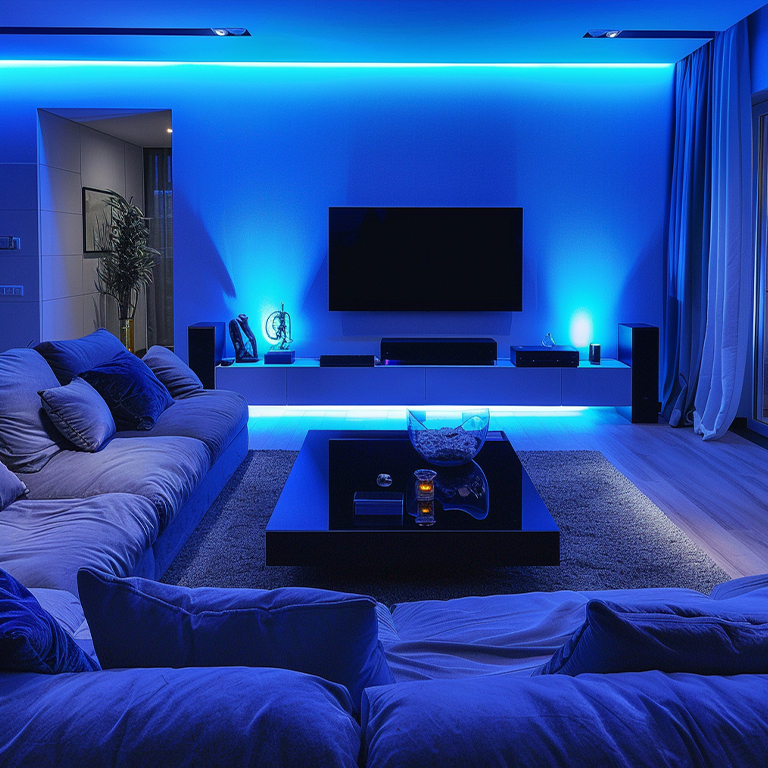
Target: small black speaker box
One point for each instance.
(205, 349)
(347, 361)
(639, 349)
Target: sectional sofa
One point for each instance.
(101, 664)
(121, 499)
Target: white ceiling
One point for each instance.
(443, 31)
(144, 128)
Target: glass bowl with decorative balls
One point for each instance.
(448, 438)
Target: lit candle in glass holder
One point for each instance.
(425, 484)
(425, 496)
(425, 512)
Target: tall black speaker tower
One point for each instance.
(205, 348)
(639, 349)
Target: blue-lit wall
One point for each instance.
(260, 154)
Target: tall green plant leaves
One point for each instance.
(126, 266)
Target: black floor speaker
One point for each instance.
(205, 348)
(639, 349)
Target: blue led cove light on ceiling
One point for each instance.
(40, 63)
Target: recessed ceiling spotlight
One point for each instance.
(169, 130)
(651, 34)
(603, 33)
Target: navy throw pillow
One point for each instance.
(135, 396)
(31, 640)
(136, 622)
(663, 637)
(70, 357)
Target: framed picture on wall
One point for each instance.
(97, 217)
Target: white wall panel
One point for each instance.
(62, 318)
(61, 276)
(103, 161)
(59, 144)
(60, 233)
(60, 190)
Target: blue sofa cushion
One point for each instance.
(635, 720)
(11, 488)
(31, 640)
(43, 543)
(134, 394)
(79, 412)
(213, 416)
(165, 470)
(140, 623)
(70, 357)
(177, 718)
(668, 638)
(28, 439)
(177, 376)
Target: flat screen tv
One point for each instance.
(425, 259)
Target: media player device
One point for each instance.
(544, 357)
(347, 361)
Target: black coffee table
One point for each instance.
(487, 513)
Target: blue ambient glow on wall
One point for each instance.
(261, 151)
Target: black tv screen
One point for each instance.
(425, 259)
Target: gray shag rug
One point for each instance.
(611, 536)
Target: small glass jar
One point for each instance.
(425, 496)
(425, 513)
(425, 484)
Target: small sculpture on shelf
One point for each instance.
(278, 329)
(245, 348)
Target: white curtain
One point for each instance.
(731, 257)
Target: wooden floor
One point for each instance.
(716, 491)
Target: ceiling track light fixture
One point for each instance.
(650, 34)
(130, 31)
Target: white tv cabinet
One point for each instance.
(304, 382)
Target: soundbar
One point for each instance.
(544, 357)
(438, 351)
(347, 361)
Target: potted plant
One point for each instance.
(126, 263)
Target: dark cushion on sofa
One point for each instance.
(177, 376)
(11, 488)
(142, 623)
(44, 543)
(31, 640)
(70, 357)
(79, 412)
(135, 396)
(165, 470)
(177, 718)
(668, 638)
(28, 439)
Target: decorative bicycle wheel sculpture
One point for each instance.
(278, 328)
